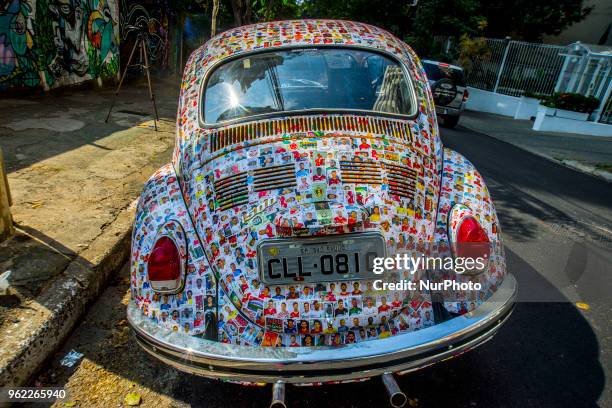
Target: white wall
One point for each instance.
(527, 108)
(563, 125)
(485, 101)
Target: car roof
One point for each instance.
(442, 64)
(277, 34)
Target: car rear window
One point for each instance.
(436, 72)
(307, 78)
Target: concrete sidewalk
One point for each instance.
(588, 154)
(74, 181)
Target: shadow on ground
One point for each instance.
(562, 194)
(33, 259)
(33, 129)
(546, 356)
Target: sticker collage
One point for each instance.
(328, 313)
(319, 193)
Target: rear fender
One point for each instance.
(161, 211)
(462, 187)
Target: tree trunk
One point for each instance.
(243, 12)
(237, 9)
(248, 12)
(213, 24)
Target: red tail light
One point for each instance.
(466, 95)
(472, 240)
(164, 266)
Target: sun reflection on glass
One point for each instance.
(234, 101)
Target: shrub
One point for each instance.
(471, 49)
(571, 101)
(535, 95)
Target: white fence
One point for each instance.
(587, 70)
(516, 67)
(606, 113)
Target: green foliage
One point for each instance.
(393, 15)
(520, 19)
(535, 95)
(44, 48)
(93, 66)
(416, 25)
(269, 10)
(571, 101)
(110, 69)
(471, 49)
(448, 17)
(98, 68)
(529, 20)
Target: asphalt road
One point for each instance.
(557, 226)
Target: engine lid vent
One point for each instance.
(275, 177)
(233, 134)
(360, 172)
(402, 180)
(232, 190)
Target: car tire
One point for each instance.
(444, 92)
(450, 121)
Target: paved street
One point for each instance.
(558, 230)
(72, 179)
(54, 155)
(590, 154)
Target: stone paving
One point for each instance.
(74, 180)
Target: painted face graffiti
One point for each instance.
(58, 43)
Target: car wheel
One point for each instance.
(450, 121)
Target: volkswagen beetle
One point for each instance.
(305, 151)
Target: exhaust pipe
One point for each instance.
(278, 395)
(397, 398)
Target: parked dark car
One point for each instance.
(449, 90)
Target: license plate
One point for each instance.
(319, 259)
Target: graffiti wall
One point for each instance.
(151, 19)
(52, 43)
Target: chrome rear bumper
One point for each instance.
(397, 354)
(449, 111)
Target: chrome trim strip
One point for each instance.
(405, 352)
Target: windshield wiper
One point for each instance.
(278, 96)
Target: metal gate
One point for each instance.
(606, 112)
(516, 67)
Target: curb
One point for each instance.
(59, 307)
(576, 165)
(570, 164)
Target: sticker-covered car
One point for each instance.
(308, 151)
